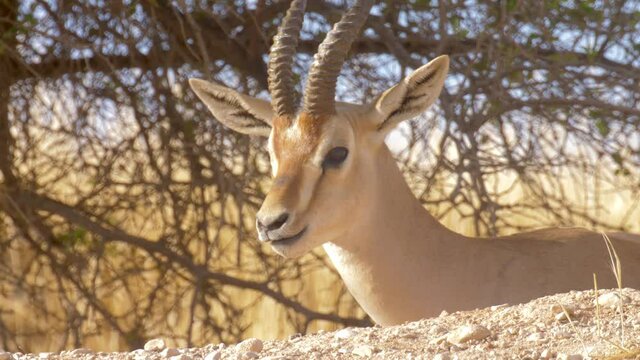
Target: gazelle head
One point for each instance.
(323, 156)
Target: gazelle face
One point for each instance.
(313, 161)
(322, 157)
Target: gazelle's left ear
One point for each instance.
(410, 97)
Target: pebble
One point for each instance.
(437, 330)
(442, 356)
(562, 317)
(155, 345)
(535, 337)
(545, 354)
(250, 345)
(81, 351)
(5, 355)
(45, 355)
(248, 355)
(558, 308)
(497, 307)
(467, 333)
(345, 333)
(169, 352)
(214, 355)
(295, 337)
(560, 312)
(562, 356)
(439, 339)
(611, 299)
(364, 351)
(180, 357)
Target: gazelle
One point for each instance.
(337, 185)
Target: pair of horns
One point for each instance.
(319, 97)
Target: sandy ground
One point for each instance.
(563, 326)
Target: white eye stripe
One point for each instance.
(273, 159)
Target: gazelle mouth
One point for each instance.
(285, 241)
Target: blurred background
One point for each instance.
(127, 210)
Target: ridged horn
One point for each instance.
(281, 79)
(320, 92)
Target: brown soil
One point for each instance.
(535, 330)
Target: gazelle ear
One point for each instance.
(412, 96)
(242, 113)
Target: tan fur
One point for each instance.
(294, 142)
(401, 264)
(301, 145)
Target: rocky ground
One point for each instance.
(564, 326)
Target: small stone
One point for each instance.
(181, 357)
(526, 311)
(442, 356)
(364, 351)
(296, 336)
(560, 312)
(558, 308)
(562, 356)
(497, 307)
(344, 333)
(214, 355)
(155, 345)
(436, 330)
(443, 313)
(45, 355)
(250, 355)
(169, 352)
(611, 299)
(250, 345)
(467, 333)
(81, 351)
(562, 317)
(5, 355)
(535, 337)
(545, 354)
(439, 340)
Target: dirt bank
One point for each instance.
(563, 326)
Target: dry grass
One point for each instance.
(619, 344)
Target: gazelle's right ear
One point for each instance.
(411, 96)
(242, 113)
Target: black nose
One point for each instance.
(272, 222)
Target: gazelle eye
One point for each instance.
(335, 157)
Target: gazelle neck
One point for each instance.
(393, 247)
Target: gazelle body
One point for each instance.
(336, 184)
